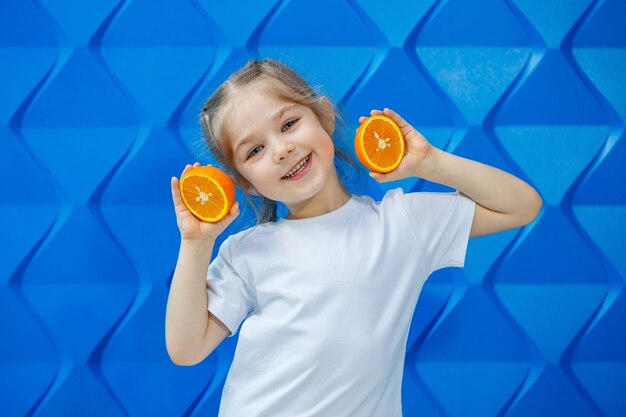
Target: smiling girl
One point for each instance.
(324, 295)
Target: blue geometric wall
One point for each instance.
(98, 110)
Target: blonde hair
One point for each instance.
(288, 85)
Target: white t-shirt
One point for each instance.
(328, 303)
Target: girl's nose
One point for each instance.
(283, 150)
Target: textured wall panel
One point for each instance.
(98, 109)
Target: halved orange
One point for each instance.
(379, 143)
(207, 192)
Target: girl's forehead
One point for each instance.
(254, 98)
(264, 92)
(260, 105)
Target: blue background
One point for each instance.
(98, 109)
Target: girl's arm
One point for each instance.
(191, 331)
(503, 201)
(186, 318)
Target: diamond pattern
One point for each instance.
(99, 109)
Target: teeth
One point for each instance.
(298, 168)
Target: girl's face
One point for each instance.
(283, 151)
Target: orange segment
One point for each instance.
(207, 192)
(379, 143)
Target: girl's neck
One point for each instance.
(319, 205)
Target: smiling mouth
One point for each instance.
(298, 168)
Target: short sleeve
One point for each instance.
(442, 223)
(231, 298)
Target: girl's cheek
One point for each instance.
(329, 147)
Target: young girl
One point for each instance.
(324, 295)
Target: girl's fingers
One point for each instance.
(396, 117)
(234, 210)
(377, 176)
(179, 206)
(372, 112)
(187, 167)
(405, 127)
(380, 177)
(408, 131)
(175, 192)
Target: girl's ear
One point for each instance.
(329, 120)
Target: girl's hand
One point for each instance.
(417, 150)
(192, 228)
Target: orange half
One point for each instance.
(379, 143)
(207, 192)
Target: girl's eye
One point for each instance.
(254, 151)
(290, 123)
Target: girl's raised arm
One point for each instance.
(191, 331)
(503, 201)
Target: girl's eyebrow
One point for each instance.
(278, 115)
